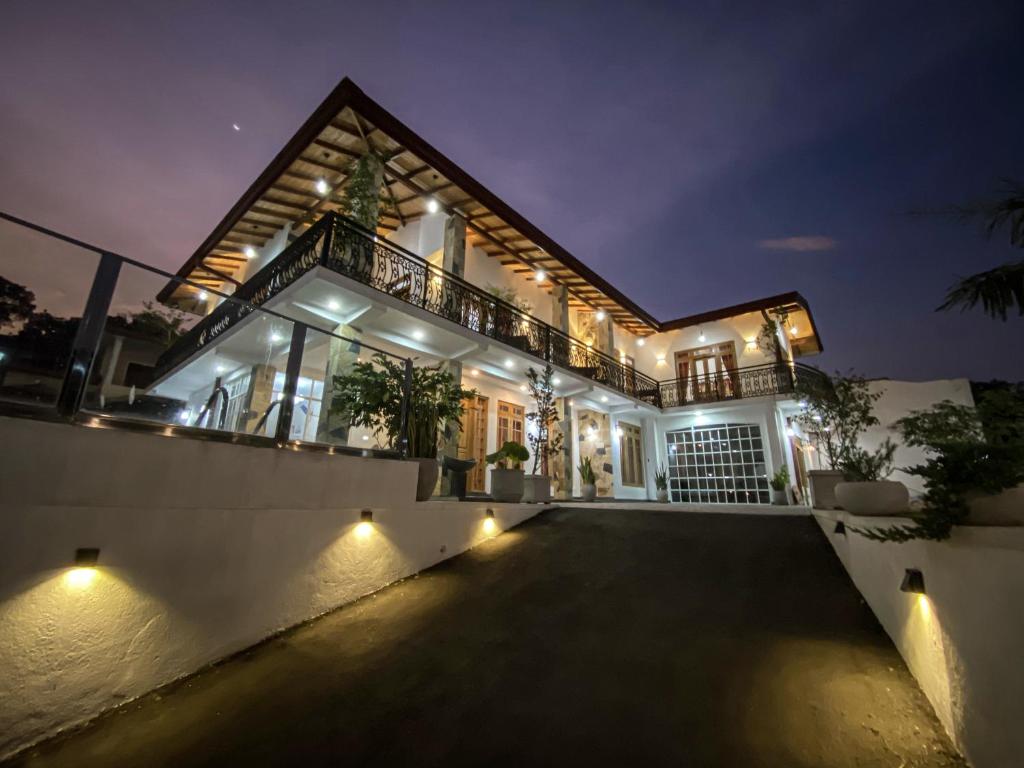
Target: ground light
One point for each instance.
(840, 528)
(365, 526)
(84, 572)
(913, 582)
(489, 525)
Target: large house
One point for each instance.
(451, 274)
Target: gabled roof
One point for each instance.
(343, 128)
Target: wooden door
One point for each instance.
(473, 440)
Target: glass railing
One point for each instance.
(80, 337)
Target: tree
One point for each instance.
(542, 391)
(17, 303)
(159, 323)
(837, 410)
(997, 290)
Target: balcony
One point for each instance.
(738, 383)
(337, 244)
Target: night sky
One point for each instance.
(694, 156)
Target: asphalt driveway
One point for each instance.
(584, 637)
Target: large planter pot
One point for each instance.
(779, 498)
(1003, 508)
(427, 479)
(588, 492)
(537, 489)
(882, 497)
(507, 485)
(663, 495)
(823, 488)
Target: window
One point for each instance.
(718, 464)
(510, 423)
(306, 411)
(631, 461)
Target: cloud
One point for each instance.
(802, 243)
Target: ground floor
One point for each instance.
(610, 637)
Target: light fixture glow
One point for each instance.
(660, 357)
(698, 413)
(366, 438)
(334, 305)
(539, 275)
(433, 206)
(221, 369)
(275, 337)
(556, 381)
(790, 432)
(321, 187)
(250, 252)
(601, 315)
(913, 582)
(474, 372)
(418, 335)
(604, 398)
(509, 363)
(522, 387)
(618, 432)
(366, 515)
(79, 578)
(203, 296)
(701, 337)
(489, 513)
(792, 330)
(640, 342)
(489, 525)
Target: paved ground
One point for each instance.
(584, 637)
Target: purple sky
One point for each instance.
(690, 155)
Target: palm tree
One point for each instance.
(997, 290)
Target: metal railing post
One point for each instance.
(403, 439)
(291, 382)
(88, 336)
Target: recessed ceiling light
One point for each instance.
(509, 363)
(539, 275)
(275, 337)
(556, 381)
(604, 398)
(475, 372)
(203, 295)
(321, 187)
(221, 369)
(640, 342)
(334, 305)
(432, 206)
(250, 252)
(522, 387)
(698, 413)
(600, 315)
(418, 334)
(366, 438)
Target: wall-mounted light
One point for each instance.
(366, 516)
(913, 582)
(489, 513)
(751, 345)
(490, 526)
(840, 528)
(84, 572)
(432, 205)
(660, 358)
(700, 336)
(87, 557)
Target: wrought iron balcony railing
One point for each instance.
(736, 383)
(342, 246)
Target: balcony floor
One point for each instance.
(585, 636)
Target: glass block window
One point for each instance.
(717, 464)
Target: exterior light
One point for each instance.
(913, 582)
(275, 337)
(601, 315)
(522, 387)
(203, 296)
(604, 398)
(556, 381)
(509, 363)
(489, 513)
(790, 432)
(840, 528)
(250, 252)
(221, 369)
(84, 572)
(474, 372)
(432, 206)
(640, 342)
(590, 344)
(366, 516)
(570, 402)
(87, 557)
(792, 330)
(622, 359)
(417, 334)
(803, 404)
(698, 413)
(334, 305)
(364, 529)
(701, 337)
(321, 187)
(660, 358)
(618, 432)
(539, 275)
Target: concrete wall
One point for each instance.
(206, 548)
(963, 640)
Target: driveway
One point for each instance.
(583, 637)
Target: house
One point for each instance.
(451, 274)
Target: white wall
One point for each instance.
(206, 548)
(963, 641)
(483, 270)
(423, 236)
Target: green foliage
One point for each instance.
(509, 296)
(863, 466)
(661, 479)
(543, 393)
(839, 409)
(780, 479)
(370, 396)
(970, 451)
(17, 303)
(162, 324)
(768, 339)
(360, 199)
(511, 455)
(586, 470)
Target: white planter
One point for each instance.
(426, 480)
(537, 489)
(883, 497)
(589, 492)
(1004, 508)
(663, 495)
(779, 498)
(823, 488)
(507, 485)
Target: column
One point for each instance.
(454, 262)
(562, 469)
(605, 335)
(341, 357)
(450, 446)
(560, 307)
(259, 397)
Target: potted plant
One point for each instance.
(538, 484)
(507, 475)
(370, 395)
(865, 489)
(836, 411)
(661, 484)
(588, 480)
(778, 483)
(974, 469)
